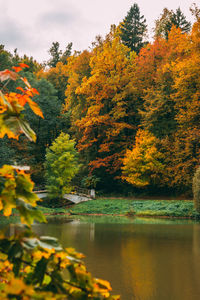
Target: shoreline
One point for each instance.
(122, 215)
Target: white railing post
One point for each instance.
(92, 193)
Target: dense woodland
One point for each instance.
(131, 107)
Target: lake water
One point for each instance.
(142, 260)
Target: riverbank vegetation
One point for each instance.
(129, 207)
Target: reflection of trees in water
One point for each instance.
(162, 263)
(140, 263)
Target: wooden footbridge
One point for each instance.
(77, 196)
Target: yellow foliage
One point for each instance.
(143, 164)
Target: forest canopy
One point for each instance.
(123, 95)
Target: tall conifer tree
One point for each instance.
(179, 20)
(133, 29)
(168, 19)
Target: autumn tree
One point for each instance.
(170, 109)
(143, 165)
(186, 97)
(157, 82)
(58, 77)
(78, 67)
(111, 117)
(133, 29)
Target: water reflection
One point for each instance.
(142, 261)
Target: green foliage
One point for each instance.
(133, 29)
(67, 53)
(179, 20)
(7, 154)
(168, 19)
(90, 181)
(57, 55)
(16, 192)
(46, 129)
(61, 166)
(196, 189)
(5, 58)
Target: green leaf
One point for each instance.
(15, 251)
(5, 244)
(29, 213)
(16, 266)
(39, 272)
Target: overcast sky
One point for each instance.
(32, 25)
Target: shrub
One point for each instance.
(196, 189)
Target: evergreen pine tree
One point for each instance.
(133, 29)
(67, 53)
(168, 19)
(58, 55)
(179, 20)
(55, 54)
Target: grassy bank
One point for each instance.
(155, 208)
(167, 209)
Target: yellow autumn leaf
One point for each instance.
(8, 210)
(35, 108)
(16, 286)
(103, 283)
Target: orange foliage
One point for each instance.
(107, 93)
(11, 105)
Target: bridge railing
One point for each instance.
(75, 190)
(82, 191)
(40, 191)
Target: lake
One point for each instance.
(142, 259)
